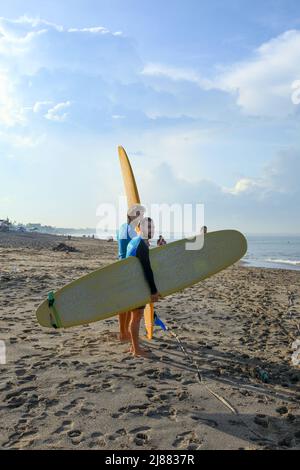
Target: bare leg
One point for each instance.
(124, 319)
(134, 327)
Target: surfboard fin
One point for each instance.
(51, 300)
(159, 322)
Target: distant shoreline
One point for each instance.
(5, 238)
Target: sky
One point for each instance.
(203, 95)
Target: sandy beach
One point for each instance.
(81, 389)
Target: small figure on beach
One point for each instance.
(138, 247)
(125, 234)
(161, 241)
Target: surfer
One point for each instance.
(138, 247)
(125, 234)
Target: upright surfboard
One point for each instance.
(131, 189)
(109, 290)
(133, 197)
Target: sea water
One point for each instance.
(265, 251)
(273, 251)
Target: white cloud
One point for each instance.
(42, 63)
(39, 105)
(176, 74)
(279, 176)
(269, 203)
(37, 43)
(296, 92)
(19, 141)
(16, 40)
(11, 113)
(263, 84)
(93, 30)
(56, 114)
(243, 186)
(33, 22)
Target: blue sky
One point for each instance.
(199, 93)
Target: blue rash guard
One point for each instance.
(137, 247)
(124, 235)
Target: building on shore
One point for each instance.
(4, 225)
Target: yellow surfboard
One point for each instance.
(149, 320)
(108, 291)
(133, 197)
(131, 189)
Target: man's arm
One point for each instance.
(142, 254)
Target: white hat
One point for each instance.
(133, 210)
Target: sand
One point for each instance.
(81, 389)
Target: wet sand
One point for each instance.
(80, 389)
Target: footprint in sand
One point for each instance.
(20, 372)
(140, 435)
(13, 440)
(140, 385)
(117, 435)
(159, 412)
(98, 441)
(23, 437)
(141, 439)
(76, 403)
(6, 386)
(19, 398)
(61, 413)
(131, 410)
(75, 436)
(187, 440)
(66, 426)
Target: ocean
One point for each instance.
(265, 251)
(273, 251)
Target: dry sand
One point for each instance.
(80, 389)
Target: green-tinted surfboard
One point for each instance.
(121, 286)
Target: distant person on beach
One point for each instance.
(125, 234)
(138, 247)
(161, 241)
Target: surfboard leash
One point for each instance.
(192, 361)
(199, 375)
(159, 322)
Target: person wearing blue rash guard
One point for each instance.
(124, 235)
(138, 247)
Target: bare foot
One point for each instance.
(141, 353)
